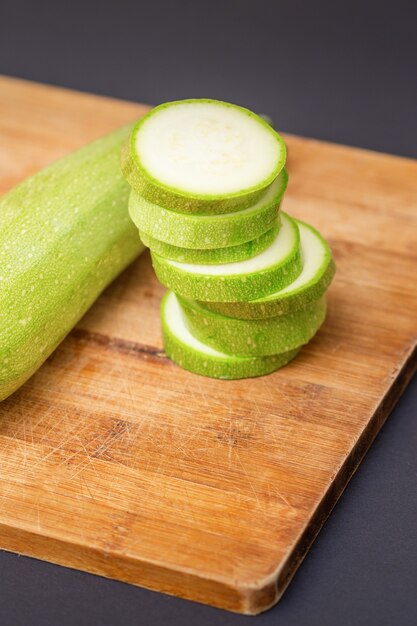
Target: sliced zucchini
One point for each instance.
(208, 231)
(218, 255)
(202, 156)
(316, 276)
(254, 337)
(193, 355)
(272, 269)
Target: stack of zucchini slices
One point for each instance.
(247, 281)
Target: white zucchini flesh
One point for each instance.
(200, 154)
(207, 148)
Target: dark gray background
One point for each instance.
(340, 71)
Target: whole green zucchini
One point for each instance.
(65, 234)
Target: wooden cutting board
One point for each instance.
(115, 461)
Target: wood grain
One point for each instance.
(115, 461)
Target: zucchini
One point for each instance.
(65, 234)
(318, 271)
(209, 231)
(202, 156)
(219, 255)
(193, 355)
(254, 337)
(272, 269)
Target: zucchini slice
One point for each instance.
(217, 255)
(254, 337)
(209, 231)
(202, 156)
(272, 269)
(318, 271)
(193, 355)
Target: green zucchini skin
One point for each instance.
(232, 287)
(289, 300)
(220, 365)
(65, 234)
(263, 337)
(145, 185)
(218, 255)
(208, 231)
